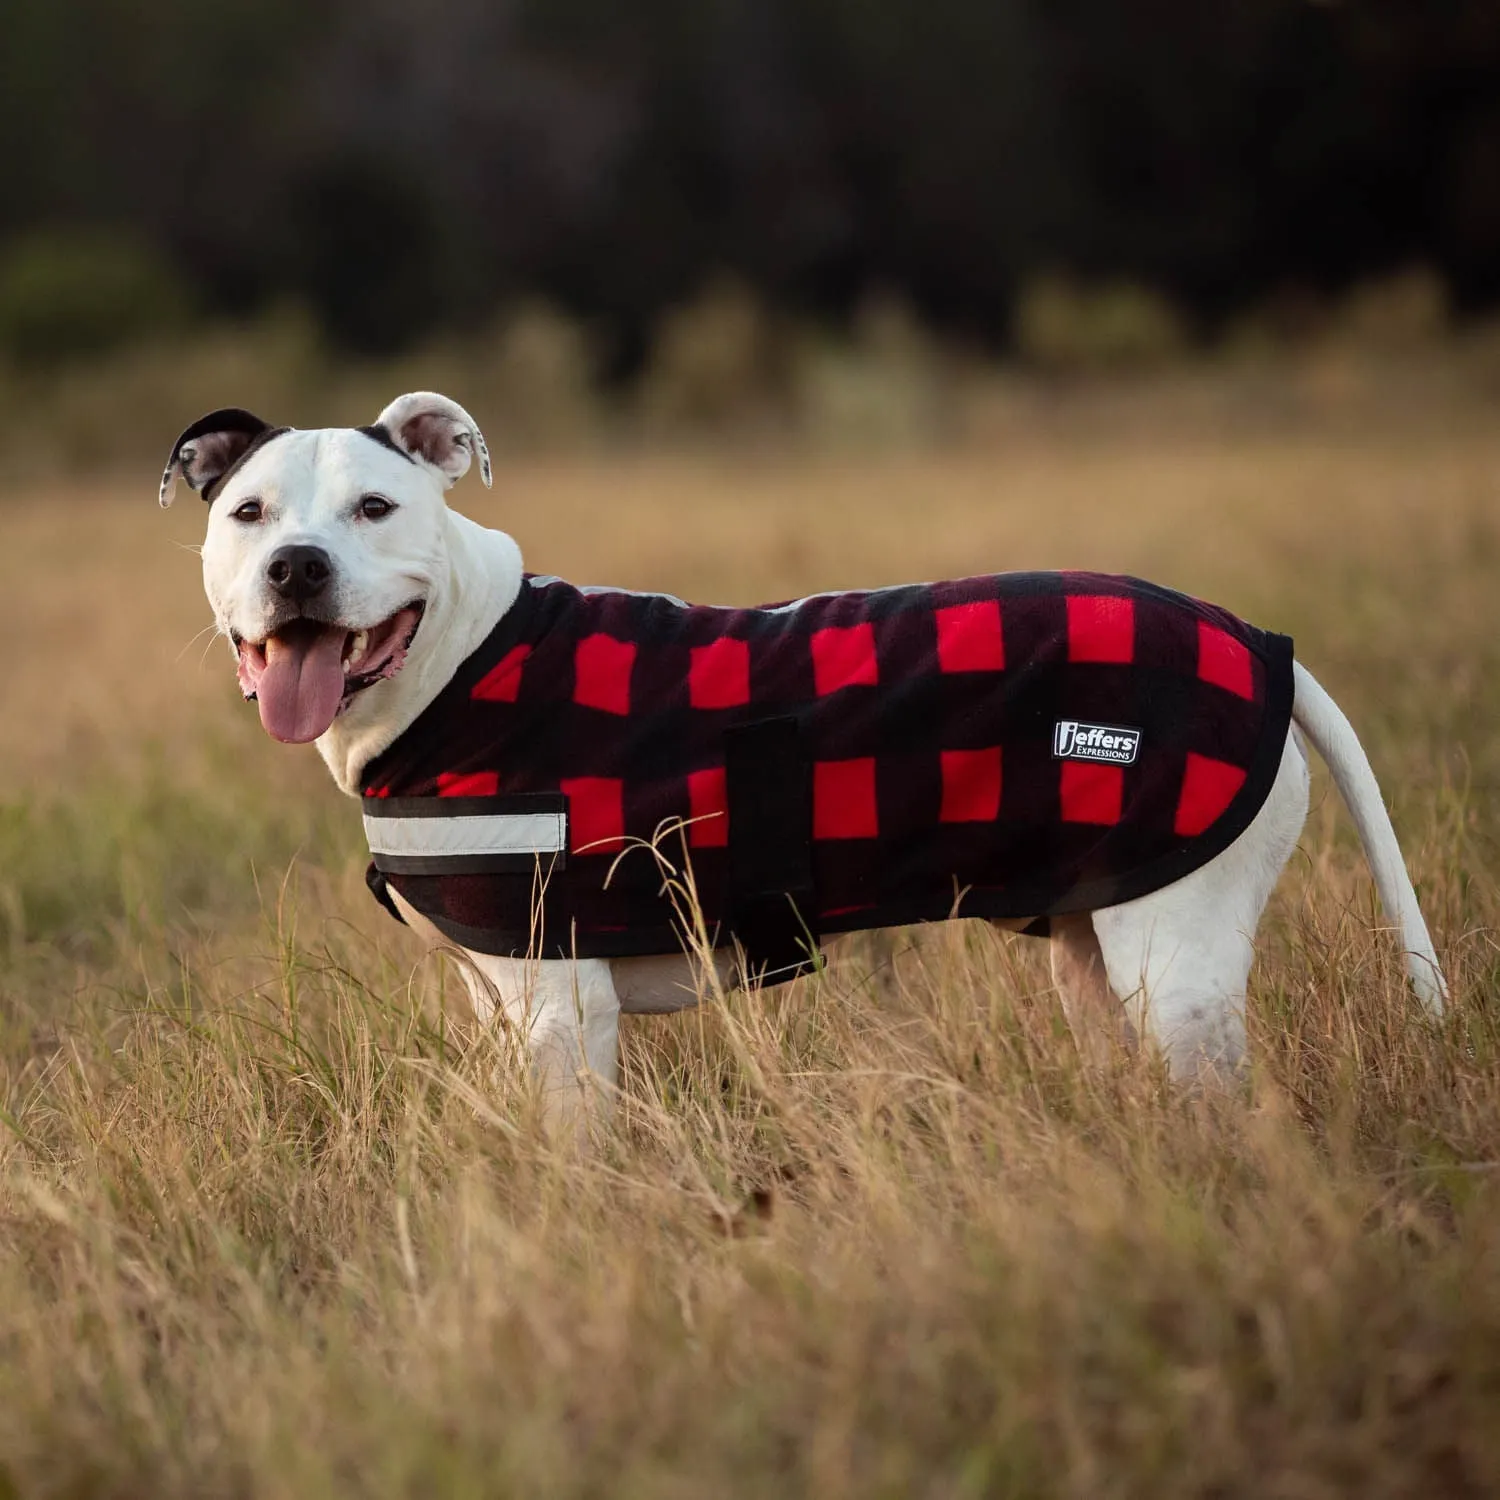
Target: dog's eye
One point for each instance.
(249, 512)
(375, 507)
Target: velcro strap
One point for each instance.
(768, 785)
(467, 835)
(380, 889)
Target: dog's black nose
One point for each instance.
(299, 573)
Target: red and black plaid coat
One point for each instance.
(1018, 745)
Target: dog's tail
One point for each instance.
(1332, 736)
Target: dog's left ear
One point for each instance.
(209, 449)
(435, 431)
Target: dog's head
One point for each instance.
(324, 548)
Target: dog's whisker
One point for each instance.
(208, 630)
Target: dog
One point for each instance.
(358, 605)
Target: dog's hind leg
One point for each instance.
(1095, 1015)
(1181, 956)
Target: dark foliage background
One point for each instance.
(405, 168)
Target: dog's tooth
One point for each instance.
(361, 640)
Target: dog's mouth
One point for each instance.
(306, 672)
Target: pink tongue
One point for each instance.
(302, 686)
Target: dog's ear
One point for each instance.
(209, 449)
(437, 432)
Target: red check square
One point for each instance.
(1208, 787)
(1224, 661)
(502, 683)
(468, 784)
(708, 806)
(601, 668)
(971, 786)
(844, 656)
(844, 805)
(1092, 793)
(1101, 628)
(969, 637)
(596, 814)
(719, 674)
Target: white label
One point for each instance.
(1110, 743)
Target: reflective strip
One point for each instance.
(496, 833)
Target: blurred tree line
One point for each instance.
(404, 169)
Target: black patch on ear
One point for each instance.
(226, 419)
(218, 443)
(383, 437)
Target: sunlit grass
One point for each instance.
(277, 1218)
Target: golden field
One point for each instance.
(277, 1221)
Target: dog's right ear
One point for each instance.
(209, 449)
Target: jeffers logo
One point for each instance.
(1107, 742)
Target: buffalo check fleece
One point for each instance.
(1019, 745)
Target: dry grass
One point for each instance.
(276, 1221)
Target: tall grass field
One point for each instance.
(277, 1219)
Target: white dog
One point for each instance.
(351, 595)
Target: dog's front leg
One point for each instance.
(566, 1016)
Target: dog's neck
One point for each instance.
(484, 577)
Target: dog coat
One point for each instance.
(1019, 745)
